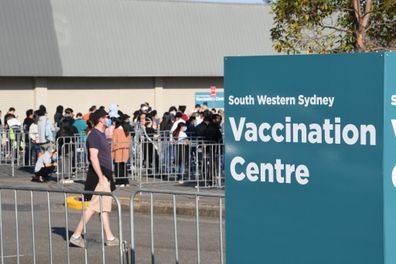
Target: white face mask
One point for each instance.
(198, 120)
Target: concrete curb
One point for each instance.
(182, 208)
(162, 207)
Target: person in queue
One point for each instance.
(121, 142)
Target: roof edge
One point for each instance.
(201, 2)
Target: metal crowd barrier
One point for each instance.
(151, 159)
(176, 234)
(17, 150)
(193, 161)
(72, 158)
(32, 216)
(20, 151)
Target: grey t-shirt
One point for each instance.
(97, 140)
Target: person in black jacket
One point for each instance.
(26, 125)
(166, 123)
(213, 150)
(66, 138)
(213, 131)
(58, 115)
(200, 130)
(150, 154)
(191, 126)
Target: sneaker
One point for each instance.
(114, 242)
(78, 242)
(35, 179)
(42, 179)
(66, 181)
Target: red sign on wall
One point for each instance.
(213, 91)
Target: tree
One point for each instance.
(331, 26)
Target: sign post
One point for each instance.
(310, 159)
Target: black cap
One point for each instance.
(95, 116)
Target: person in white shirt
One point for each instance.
(182, 150)
(33, 146)
(45, 165)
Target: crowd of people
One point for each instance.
(108, 135)
(41, 131)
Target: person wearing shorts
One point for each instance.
(99, 179)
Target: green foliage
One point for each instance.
(330, 26)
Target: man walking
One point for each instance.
(99, 179)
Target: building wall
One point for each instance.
(81, 93)
(16, 92)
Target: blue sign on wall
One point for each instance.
(311, 159)
(204, 98)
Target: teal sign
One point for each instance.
(204, 98)
(311, 159)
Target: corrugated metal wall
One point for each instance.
(127, 38)
(29, 44)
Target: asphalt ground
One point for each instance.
(59, 230)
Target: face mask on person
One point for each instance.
(198, 120)
(108, 122)
(54, 158)
(184, 129)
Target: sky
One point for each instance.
(232, 1)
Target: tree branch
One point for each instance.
(337, 29)
(356, 9)
(346, 9)
(370, 12)
(366, 16)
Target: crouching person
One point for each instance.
(99, 179)
(45, 165)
